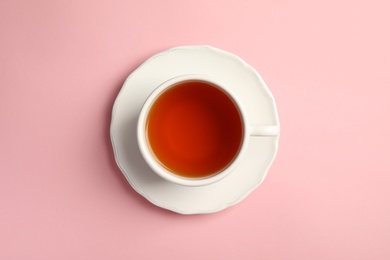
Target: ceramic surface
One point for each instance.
(242, 80)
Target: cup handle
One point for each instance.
(264, 130)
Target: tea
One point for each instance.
(194, 129)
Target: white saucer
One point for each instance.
(244, 82)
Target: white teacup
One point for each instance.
(166, 172)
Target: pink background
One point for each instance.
(62, 63)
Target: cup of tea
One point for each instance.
(193, 131)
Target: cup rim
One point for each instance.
(150, 158)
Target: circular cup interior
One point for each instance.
(151, 159)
